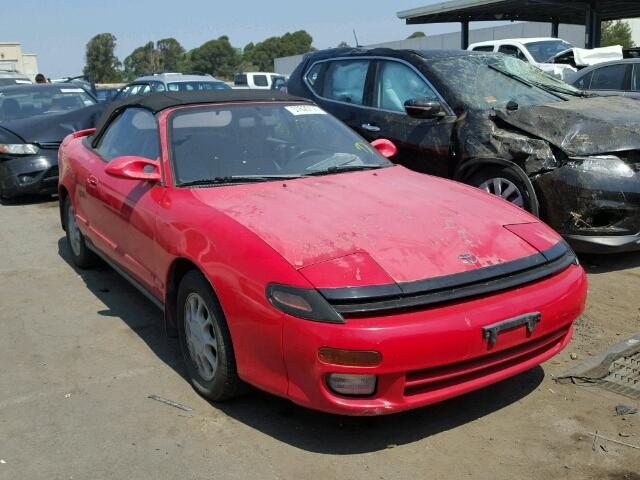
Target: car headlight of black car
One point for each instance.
(18, 149)
(602, 164)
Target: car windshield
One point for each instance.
(197, 85)
(261, 142)
(486, 81)
(544, 50)
(26, 102)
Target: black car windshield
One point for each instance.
(180, 86)
(544, 50)
(485, 81)
(261, 142)
(28, 101)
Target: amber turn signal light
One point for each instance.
(351, 358)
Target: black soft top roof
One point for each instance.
(157, 102)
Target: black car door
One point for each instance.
(423, 143)
(339, 86)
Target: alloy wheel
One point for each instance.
(505, 189)
(75, 237)
(200, 336)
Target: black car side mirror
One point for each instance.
(424, 108)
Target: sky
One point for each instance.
(58, 31)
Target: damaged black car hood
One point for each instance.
(584, 126)
(53, 127)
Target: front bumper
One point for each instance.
(30, 174)
(596, 213)
(437, 353)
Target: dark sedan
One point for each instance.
(497, 123)
(34, 119)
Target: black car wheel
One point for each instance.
(205, 340)
(504, 183)
(82, 257)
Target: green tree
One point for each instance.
(217, 57)
(263, 53)
(616, 33)
(343, 44)
(102, 65)
(142, 61)
(416, 35)
(171, 54)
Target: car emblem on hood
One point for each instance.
(468, 258)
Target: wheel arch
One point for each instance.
(178, 269)
(63, 194)
(469, 167)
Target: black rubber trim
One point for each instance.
(447, 281)
(355, 300)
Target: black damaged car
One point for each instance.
(497, 123)
(34, 119)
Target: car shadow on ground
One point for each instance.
(27, 200)
(609, 263)
(123, 301)
(286, 422)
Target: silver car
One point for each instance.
(172, 82)
(619, 77)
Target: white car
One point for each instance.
(545, 53)
(254, 80)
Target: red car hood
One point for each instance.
(385, 225)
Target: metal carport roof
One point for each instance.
(585, 12)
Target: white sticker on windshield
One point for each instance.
(26, 82)
(305, 110)
(71, 90)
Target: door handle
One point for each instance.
(370, 127)
(491, 332)
(92, 181)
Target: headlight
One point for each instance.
(18, 148)
(304, 303)
(602, 164)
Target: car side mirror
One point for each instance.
(424, 108)
(385, 147)
(134, 168)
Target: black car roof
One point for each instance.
(389, 52)
(159, 101)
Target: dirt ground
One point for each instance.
(80, 352)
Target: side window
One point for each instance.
(609, 78)
(345, 79)
(312, 77)
(260, 81)
(483, 48)
(583, 82)
(635, 78)
(396, 83)
(134, 132)
(513, 51)
(126, 91)
(157, 87)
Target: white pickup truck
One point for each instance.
(254, 80)
(552, 55)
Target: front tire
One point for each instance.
(205, 340)
(82, 257)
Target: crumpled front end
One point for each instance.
(594, 202)
(30, 175)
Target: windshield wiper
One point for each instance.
(344, 168)
(232, 179)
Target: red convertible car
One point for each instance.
(286, 252)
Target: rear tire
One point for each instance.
(82, 257)
(205, 340)
(504, 183)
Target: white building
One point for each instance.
(12, 58)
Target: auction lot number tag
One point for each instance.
(305, 110)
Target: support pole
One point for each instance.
(465, 34)
(555, 27)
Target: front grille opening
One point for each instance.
(436, 378)
(52, 172)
